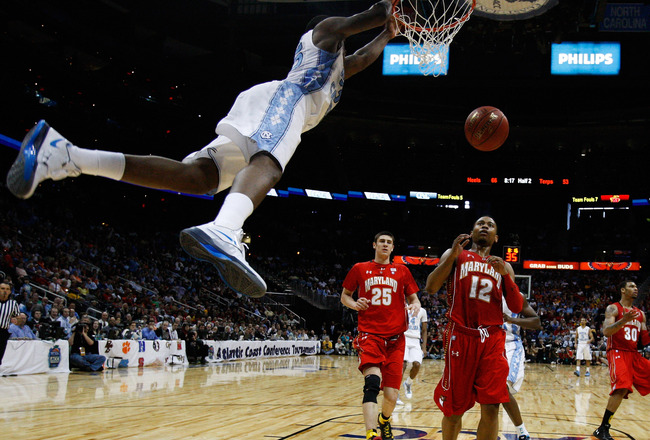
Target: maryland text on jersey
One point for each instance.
(479, 266)
(381, 280)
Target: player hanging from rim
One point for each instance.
(512, 322)
(254, 144)
(584, 339)
(382, 290)
(475, 368)
(626, 329)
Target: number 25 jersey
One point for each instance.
(474, 292)
(386, 287)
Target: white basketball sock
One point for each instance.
(235, 210)
(577, 367)
(98, 163)
(521, 430)
(409, 380)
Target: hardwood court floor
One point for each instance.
(299, 398)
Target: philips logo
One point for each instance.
(585, 58)
(399, 60)
(410, 59)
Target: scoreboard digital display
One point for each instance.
(512, 254)
(521, 180)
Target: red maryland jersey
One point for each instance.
(386, 286)
(626, 339)
(474, 292)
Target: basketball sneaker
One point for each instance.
(43, 155)
(373, 435)
(385, 429)
(224, 249)
(587, 374)
(602, 433)
(577, 373)
(407, 390)
(523, 437)
(399, 401)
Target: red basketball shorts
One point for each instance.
(627, 368)
(476, 370)
(386, 353)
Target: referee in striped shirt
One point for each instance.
(8, 309)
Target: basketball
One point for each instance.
(486, 128)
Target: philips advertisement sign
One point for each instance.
(586, 58)
(398, 60)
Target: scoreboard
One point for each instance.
(544, 181)
(512, 254)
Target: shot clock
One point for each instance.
(512, 254)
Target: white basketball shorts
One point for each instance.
(516, 357)
(583, 352)
(413, 350)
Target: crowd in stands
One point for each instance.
(143, 287)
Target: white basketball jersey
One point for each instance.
(415, 324)
(583, 334)
(319, 75)
(512, 330)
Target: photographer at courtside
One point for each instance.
(83, 347)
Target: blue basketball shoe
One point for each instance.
(43, 155)
(223, 248)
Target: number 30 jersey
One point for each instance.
(386, 287)
(626, 339)
(474, 292)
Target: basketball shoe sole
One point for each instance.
(237, 274)
(43, 155)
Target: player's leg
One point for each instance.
(516, 364)
(198, 176)
(408, 383)
(391, 370)
(490, 384)
(488, 426)
(512, 408)
(578, 360)
(371, 388)
(587, 357)
(405, 366)
(451, 426)
(621, 382)
(614, 401)
(220, 242)
(45, 154)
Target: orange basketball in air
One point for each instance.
(486, 128)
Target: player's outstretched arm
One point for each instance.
(330, 33)
(367, 55)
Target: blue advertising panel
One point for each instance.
(398, 60)
(585, 58)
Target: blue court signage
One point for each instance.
(398, 60)
(586, 58)
(625, 17)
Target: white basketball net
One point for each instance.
(430, 25)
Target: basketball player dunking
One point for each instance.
(254, 144)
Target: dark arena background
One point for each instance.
(569, 191)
